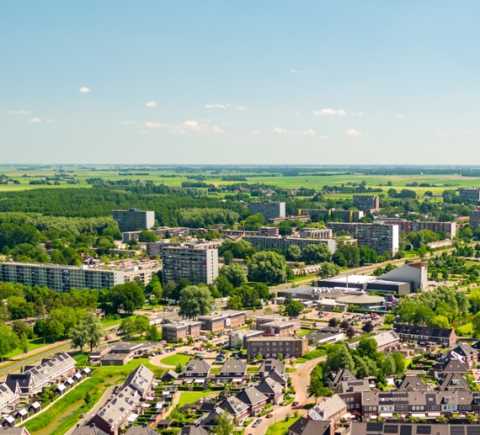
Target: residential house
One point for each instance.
(233, 369)
(193, 430)
(141, 430)
(272, 389)
(270, 364)
(426, 334)
(254, 399)
(331, 409)
(411, 383)
(141, 380)
(454, 382)
(235, 407)
(449, 365)
(169, 376)
(16, 431)
(387, 341)
(406, 429)
(304, 426)
(196, 371)
(9, 397)
(465, 353)
(340, 376)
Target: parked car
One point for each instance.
(294, 403)
(269, 416)
(257, 422)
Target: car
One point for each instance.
(82, 415)
(257, 422)
(294, 403)
(269, 416)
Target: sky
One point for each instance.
(245, 82)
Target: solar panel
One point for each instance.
(473, 430)
(384, 395)
(457, 430)
(445, 333)
(374, 427)
(405, 430)
(436, 332)
(424, 430)
(356, 383)
(390, 428)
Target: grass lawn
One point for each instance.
(192, 396)
(304, 332)
(110, 322)
(173, 360)
(32, 345)
(466, 329)
(304, 277)
(281, 428)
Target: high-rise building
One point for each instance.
(194, 262)
(59, 277)
(367, 202)
(470, 194)
(329, 214)
(134, 219)
(379, 237)
(475, 219)
(268, 209)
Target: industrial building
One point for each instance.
(381, 238)
(60, 278)
(134, 219)
(366, 202)
(268, 209)
(194, 262)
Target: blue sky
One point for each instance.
(314, 82)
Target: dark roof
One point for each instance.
(454, 381)
(196, 366)
(343, 375)
(233, 366)
(251, 396)
(451, 365)
(272, 364)
(402, 429)
(429, 331)
(411, 383)
(140, 430)
(464, 350)
(88, 430)
(193, 430)
(304, 426)
(140, 379)
(170, 374)
(322, 334)
(269, 386)
(353, 386)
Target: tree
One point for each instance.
(153, 334)
(268, 267)
(339, 358)
(24, 343)
(179, 368)
(235, 274)
(350, 332)
(399, 362)
(195, 301)
(440, 322)
(20, 328)
(128, 328)
(225, 424)
(88, 331)
(389, 319)
(54, 329)
(344, 324)
(128, 297)
(224, 286)
(332, 322)
(87, 399)
(368, 327)
(389, 366)
(328, 269)
(294, 253)
(8, 340)
(147, 236)
(316, 389)
(67, 316)
(294, 308)
(476, 325)
(142, 324)
(367, 347)
(259, 356)
(227, 257)
(316, 253)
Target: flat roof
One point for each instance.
(352, 279)
(361, 299)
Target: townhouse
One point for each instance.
(49, 371)
(406, 429)
(272, 389)
(304, 426)
(454, 382)
(330, 409)
(254, 399)
(235, 407)
(411, 383)
(196, 371)
(465, 353)
(426, 334)
(233, 369)
(9, 395)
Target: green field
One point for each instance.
(164, 176)
(466, 329)
(173, 360)
(281, 428)
(187, 397)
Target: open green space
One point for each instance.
(304, 331)
(466, 329)
(174, 360)
(32, 345)
(281, 428)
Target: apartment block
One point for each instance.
(194, 262)
(406, 226)
(339, 227)
(282, 327)
(163, 232)
(426, 334)
(144, 274)
(284, 242)
(174, 332)
(270, 347)
(316, 233)
(379, 237)
(475, 219)
(366, 203)
(215, 322)
(59, 277)
(268, 231)
(324, 214)
(268, 209)
(134, 219)
(470, 194)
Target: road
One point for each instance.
(300, 381)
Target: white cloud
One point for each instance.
(296, 71)
(309, 132)
(151, 104)
(398, 116)
(240, 108)
(216, 129)
(329, 112)
(323, 137)
(154, 124)
(19, 112)
(128, 122)
(51, 121)
(85, 90)
(217, 106)
(191, 124)
(296, 112)
(255, 131)
(357, 113)
(353, 132)
(280, 130)
(35, 120)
